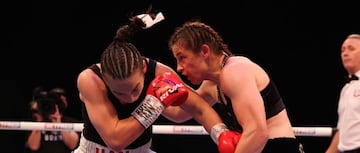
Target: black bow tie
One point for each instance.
(352, 77)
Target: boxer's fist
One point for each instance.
(168, 89)
(228, 141)
(163, 91)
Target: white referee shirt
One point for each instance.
(349, 115)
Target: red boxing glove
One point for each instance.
(163, 91)
(168, 89)
(228, 141)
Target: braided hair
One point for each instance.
(193, 34)
(121, 58)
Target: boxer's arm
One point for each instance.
(165, 90)
(176, 114)
(248, 106)
(195, 105)
(116, 133)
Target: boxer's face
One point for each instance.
(127, 90)
(190, 64)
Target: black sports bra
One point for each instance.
(272, 101)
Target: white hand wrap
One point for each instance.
(216, 130)
(148, 111)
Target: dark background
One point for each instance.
(48, 43)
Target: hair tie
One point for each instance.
(149, 21)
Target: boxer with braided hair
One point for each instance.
(125, 93)
(240, 90)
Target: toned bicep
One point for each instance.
(116, 133)
(245, 97)
(99, 109)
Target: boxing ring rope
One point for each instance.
(157, 129)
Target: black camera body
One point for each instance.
(46, 104)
